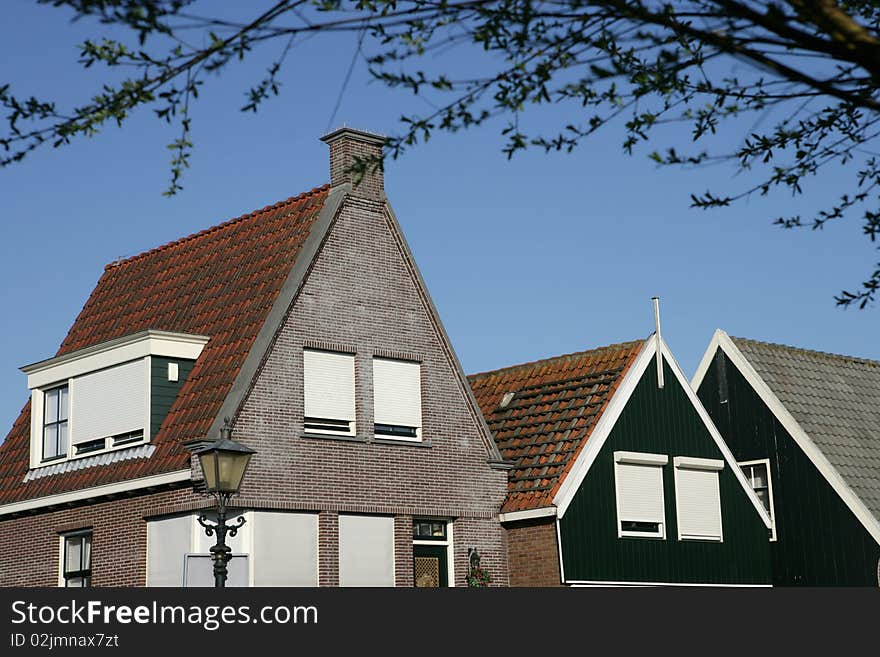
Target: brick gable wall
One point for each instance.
(361, 296)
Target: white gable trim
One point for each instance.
(596, 441)
(599, 435)
(528, 514)
(721, 340)
(97, 491)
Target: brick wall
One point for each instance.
(533, 553)
(31, 548)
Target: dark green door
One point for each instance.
(429, 566)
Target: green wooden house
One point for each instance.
(619, 476)
(805, 428)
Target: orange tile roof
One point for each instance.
(221, 283)
(556, 403)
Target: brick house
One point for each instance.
(308, 324)
(619, 476)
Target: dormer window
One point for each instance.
(108, 396)
(55, 423)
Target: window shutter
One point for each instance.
(397, 392)
(329, 385)
(699, 503)
(366, 551)
(285, 549)
(640, 492)
(168, 540)
(109, 402)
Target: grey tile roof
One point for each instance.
(836, 401)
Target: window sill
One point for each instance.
(402, 442)
(330, 436)
(702, 539)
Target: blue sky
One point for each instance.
(529, 258)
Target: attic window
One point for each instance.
(105, 396)
(328, 382)
(506, 399)
(698, 498)
(638, 480)
(397, 399)
(55, 409)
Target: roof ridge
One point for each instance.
(814, 352)
(216, 227)
(540, 361)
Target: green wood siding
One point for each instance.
(820, 542)
(162, 391)
(662, 422)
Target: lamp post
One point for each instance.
(223, 463)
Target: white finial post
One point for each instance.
(656, 301)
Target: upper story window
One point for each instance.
(76, 560)
(397, 398)
(638, 479)
(328, 381)
(106, 396)
(55, 403)
(758, 475)
(698, 498)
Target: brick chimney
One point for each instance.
(355, 157)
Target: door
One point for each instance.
(430, 569)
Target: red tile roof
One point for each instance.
(555, 405)
(220, 283)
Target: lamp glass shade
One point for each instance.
(224, 470)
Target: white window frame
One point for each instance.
(693, 463)
(352, 424)
(447, 543)
(644, 459)
(766, 463)
(410, 439)
(62, 553)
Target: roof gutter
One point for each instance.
(529, 514)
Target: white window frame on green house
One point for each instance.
(638, 497)
(751, 481)
(698, 499)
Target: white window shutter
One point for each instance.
(698, 503)
(366, 551)
(640, 492)
(329, 385)
(397, 392)
(109, 402)
(285, 549)
(168, 540)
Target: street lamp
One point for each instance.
(223, 463)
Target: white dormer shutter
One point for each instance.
(397, 392)
(108, 402)
(329, 385)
